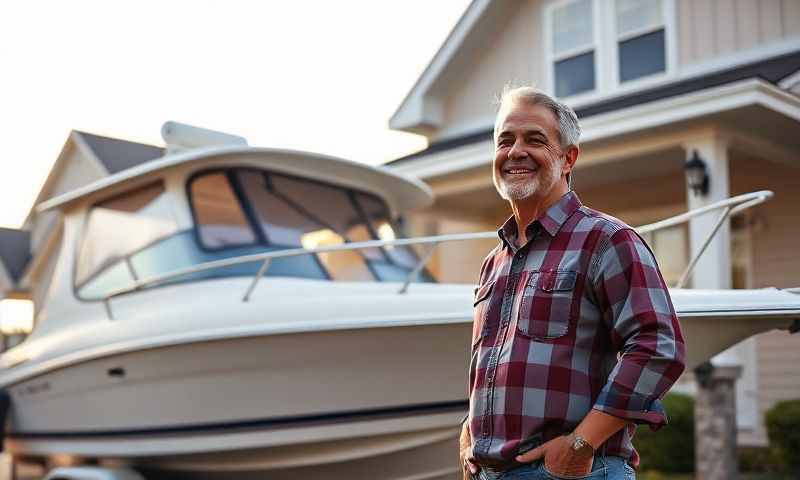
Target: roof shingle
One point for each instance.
(117, 155)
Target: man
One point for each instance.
(575, 339)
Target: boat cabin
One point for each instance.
(219, 202)
(235, 211)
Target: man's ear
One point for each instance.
(570, 157)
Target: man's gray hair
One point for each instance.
(569, 129)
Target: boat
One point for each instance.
(251, 312)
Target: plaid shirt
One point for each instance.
(578, 318)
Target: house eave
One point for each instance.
(608, 125)
(415, 114)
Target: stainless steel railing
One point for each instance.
(729, 207)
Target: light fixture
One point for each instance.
(697, 174)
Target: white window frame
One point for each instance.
(606, 48)
(551, 58)
(613, 39)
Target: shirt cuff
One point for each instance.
(635, 408)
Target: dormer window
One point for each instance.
(595, 47)
(640, 38)
(573, 48)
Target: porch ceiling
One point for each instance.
(778, 134)
(473, 194)
(650, 165)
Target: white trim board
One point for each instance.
(412, 109)
(692, 105)
(791, 82)
(640, 117)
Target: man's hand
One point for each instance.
(464, 445)
(559, 458)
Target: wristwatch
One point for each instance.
(581, 446)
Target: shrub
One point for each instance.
(755, 459)
(783, 429)
(670, 449)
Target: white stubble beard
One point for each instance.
(521, 190)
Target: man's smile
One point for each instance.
(519, 170)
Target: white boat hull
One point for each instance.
(272, 403)
(296, 400)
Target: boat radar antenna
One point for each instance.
(180, 137)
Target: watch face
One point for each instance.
(580, 444)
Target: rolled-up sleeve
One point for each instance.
(637, 310)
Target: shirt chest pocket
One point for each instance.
(547, 304)
(481, 309)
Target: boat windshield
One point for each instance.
(239, 212)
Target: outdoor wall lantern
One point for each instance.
(697, 174)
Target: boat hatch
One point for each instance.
(238, 212)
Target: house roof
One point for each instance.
(117, 155)
(14, 251)
(772, 70)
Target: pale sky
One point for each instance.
(321, 75)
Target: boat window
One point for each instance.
(296, 213)
(221, 221)
(380, 221)
(114, 230)
(285, 212)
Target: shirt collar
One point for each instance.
(552, 220)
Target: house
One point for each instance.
(27, 256)
(654, 83)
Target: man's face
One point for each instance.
(528, 157)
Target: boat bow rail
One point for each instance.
(729, 207)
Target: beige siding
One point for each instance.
(512, 54)
(725, 14)
(775, 230)
(461, 264)
(770, 24)
(77, 171)
(711, 28)
(791, 17)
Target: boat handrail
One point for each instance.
(730, 206)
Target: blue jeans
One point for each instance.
(604, 468)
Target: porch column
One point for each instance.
(714, 268)
(715, 403)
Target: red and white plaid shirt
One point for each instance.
(578, 318)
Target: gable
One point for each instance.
(468, 93)
(421, 111)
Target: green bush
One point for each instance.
(670, 449)
(755, 459)
(783, 429)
